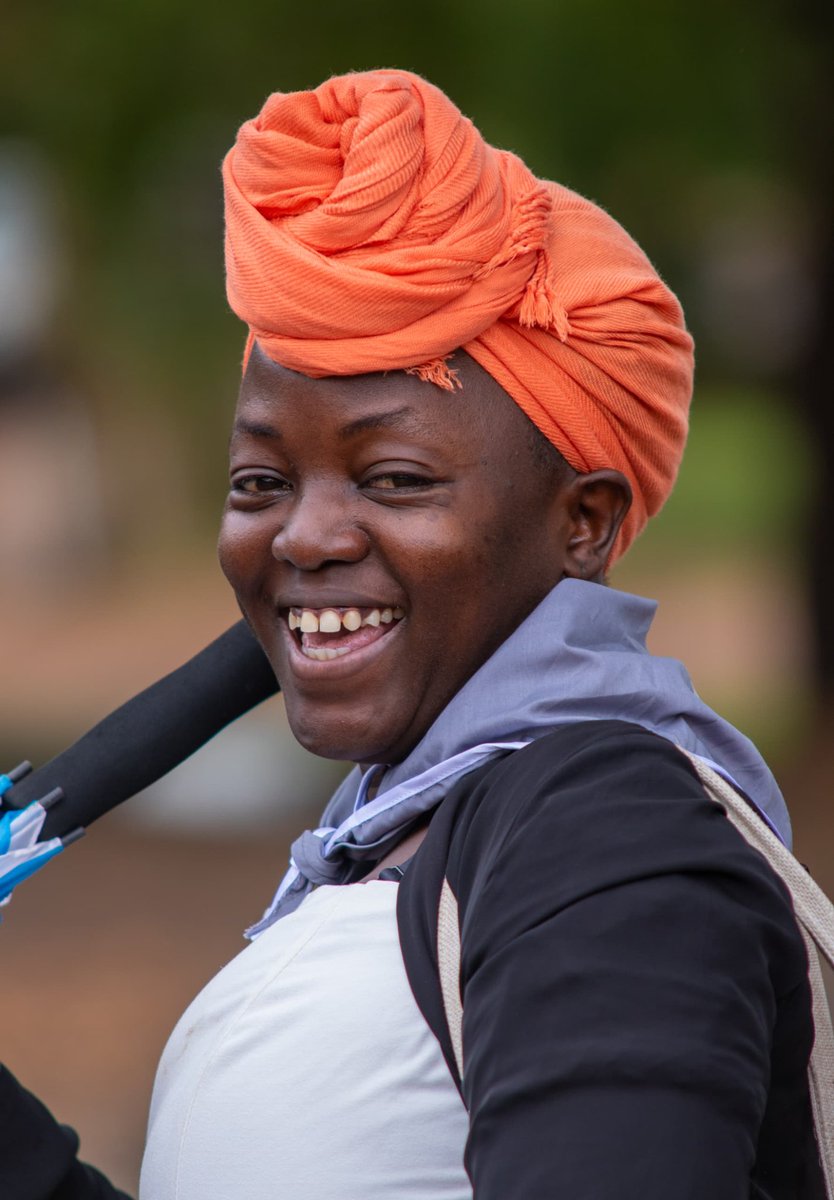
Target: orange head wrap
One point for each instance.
(369, 227)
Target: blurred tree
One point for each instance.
(812, 103)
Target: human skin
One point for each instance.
(383, 491)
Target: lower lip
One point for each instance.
(345, 665)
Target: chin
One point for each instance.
(339, 737)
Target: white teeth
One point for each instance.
(352, 619)
(329, 622)
(323, 653)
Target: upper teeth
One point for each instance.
(331, 620)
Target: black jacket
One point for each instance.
(637, 1019)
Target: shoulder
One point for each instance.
(582, 791)
(600, 762)
(605, 808)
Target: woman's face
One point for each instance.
(383, 537)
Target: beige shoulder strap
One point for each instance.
(448, 963)
(815, 916)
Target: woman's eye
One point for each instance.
(393, 481)
(258, 485)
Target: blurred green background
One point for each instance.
(706, 129)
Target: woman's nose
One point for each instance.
(319, 528)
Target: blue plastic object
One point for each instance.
(21, 854)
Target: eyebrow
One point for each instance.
(402, 417)
(258, 429)
(396, 417)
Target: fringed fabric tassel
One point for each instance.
(530, 219)
(539, 306)
(438, 372)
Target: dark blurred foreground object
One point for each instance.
(38, 1155)
(131, 748)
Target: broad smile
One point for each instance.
(343, 637)
(382, 561)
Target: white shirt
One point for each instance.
(305, 1071)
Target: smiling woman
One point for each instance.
(384, 550)
(465, 392)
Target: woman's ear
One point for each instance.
(598, 503)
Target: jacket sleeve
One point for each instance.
(38, 1155)
(624, 958)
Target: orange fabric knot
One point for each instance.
(369, 227)
(437, 372)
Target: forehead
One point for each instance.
(354, 404)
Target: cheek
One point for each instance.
(241, 547)
(511, 562)
(460, 587)
(498, 554)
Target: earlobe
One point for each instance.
(598, 506)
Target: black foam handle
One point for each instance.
(150, 734)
